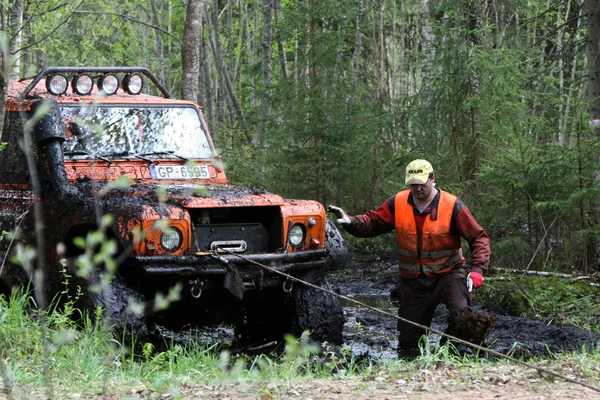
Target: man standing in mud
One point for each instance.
(429, 225)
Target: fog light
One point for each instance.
(109, 84)
(296, 235)
(82, 84)
(133, 84)
(57, 84)
(171, 239)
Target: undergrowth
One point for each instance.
(552, 300)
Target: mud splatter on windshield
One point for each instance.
(147, 131)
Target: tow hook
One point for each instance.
(196, 289)
(287, 286)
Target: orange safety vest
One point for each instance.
(436, 251)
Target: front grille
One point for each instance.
(239, 229)
(251, 238)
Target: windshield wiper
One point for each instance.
(85, 153)
(117, 154)
(164, 153)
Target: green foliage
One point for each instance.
(496, 103)
(552, 300)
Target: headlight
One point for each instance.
(171, 239)
(297, 235)
(108, 83)
(133, 83)
(57, 84)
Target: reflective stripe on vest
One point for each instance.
(440, 250)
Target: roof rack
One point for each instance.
(103, 70)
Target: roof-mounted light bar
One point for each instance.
(132, 83)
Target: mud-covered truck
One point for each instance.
(98, 145)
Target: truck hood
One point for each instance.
(193, 196)
(221, 196)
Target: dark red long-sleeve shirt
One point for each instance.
(463, 224)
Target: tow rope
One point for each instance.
(383, 312)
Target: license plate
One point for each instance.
(179, 172)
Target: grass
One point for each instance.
(84, 360)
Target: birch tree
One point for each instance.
(190, 50)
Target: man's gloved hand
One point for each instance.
(474, 280)
(343, 218)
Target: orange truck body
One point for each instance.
(82, 144)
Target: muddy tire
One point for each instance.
(115, 303)
(270, 314)
(318, 312)
(336, 247)
(315, 310)
(13, 277)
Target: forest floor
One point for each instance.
(370, 279)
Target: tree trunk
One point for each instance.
(593, 52)
(280, 47)
(15, 30)
(427, 40)
(215, 43)
(381, 98)
(266, 69)
(159, 48)
(357, 46)
(190, 50)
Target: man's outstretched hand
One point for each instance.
(343, 218)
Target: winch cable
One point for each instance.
(383, 312)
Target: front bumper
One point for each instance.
(209, 266)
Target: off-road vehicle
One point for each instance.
(177, 223)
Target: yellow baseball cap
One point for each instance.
(417, 172)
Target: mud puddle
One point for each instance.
(367, 333)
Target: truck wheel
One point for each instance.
(318, 312)
(115, 302)
(336, 247)
(271, 315)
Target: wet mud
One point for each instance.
(370, 280)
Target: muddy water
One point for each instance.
(371, 278)
(368, 333)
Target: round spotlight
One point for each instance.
(133, 83)
(108, 83)
(82, 84)
(57, 84)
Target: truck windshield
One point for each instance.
(151, 131)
